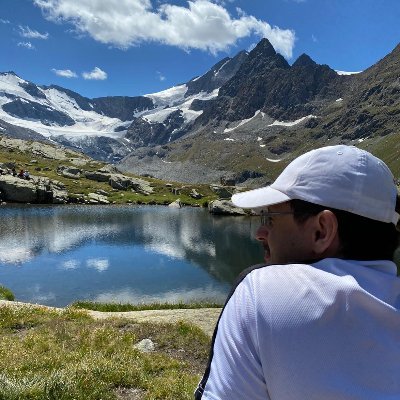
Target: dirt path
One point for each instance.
(205, 318)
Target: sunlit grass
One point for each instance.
(50, 354)
(6, 294)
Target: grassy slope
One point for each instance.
(162, 194)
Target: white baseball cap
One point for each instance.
(342, 177)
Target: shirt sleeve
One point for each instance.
(235, 371)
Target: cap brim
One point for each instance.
(261, 197)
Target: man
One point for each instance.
(321, 319)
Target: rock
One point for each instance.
(97, 198)
(102, 192)
(169, 185)
(145, 345)
(109, 169)
(175, 204)
(69, 172)
(17, 190)
(224, 207)
(193, 193)
(176, 191)
(141, 186)
(97, 176)
(33, 161)
(60, 196)
(122, 182)
(221, 191)
(35, 190)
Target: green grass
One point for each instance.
(65, 355)
(6, 294)
(118, 307)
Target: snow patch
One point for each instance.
(340, 99)
(229, 139)
(161, 113)
(346, 72)
(222, 66)
(292, 123)
(169, 96)
(244, 121)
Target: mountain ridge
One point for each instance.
(246, 117)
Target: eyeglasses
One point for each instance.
(266, 216)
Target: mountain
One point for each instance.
(269, 112)
(244, 119)
(106, 128)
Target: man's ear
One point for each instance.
(325, 234)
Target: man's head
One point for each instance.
(327, 196)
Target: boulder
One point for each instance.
(176, 191)
(221, 191)
(102, 192)
(224, 207)
(109, 169)
(141, 186)
(17, 190)
(175, 204)
(69, 172)
(145, 346)
(60, 196)
(97, 176)
(193, 193)
(95, 198)
(122, 182)
(35, 190)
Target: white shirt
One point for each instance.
(327, 331)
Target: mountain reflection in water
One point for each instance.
(58, 254)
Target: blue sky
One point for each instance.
(133, 47)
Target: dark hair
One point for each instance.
(361, 238)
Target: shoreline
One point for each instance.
(204, 318)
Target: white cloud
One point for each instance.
(4, 21)
(70, 264)
(31, 34)
(96, 74)
(161, 77)
(101, 264)
(65, 73)
(27, 45)
(314, 38)
(203, 24)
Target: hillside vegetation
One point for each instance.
(44, 160)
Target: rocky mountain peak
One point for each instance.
(304, 61)
(216, 76)
(263, 48)
(8, 73)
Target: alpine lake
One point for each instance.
(55, 255)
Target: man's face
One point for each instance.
(284, 239)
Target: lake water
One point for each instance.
(55, 255)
